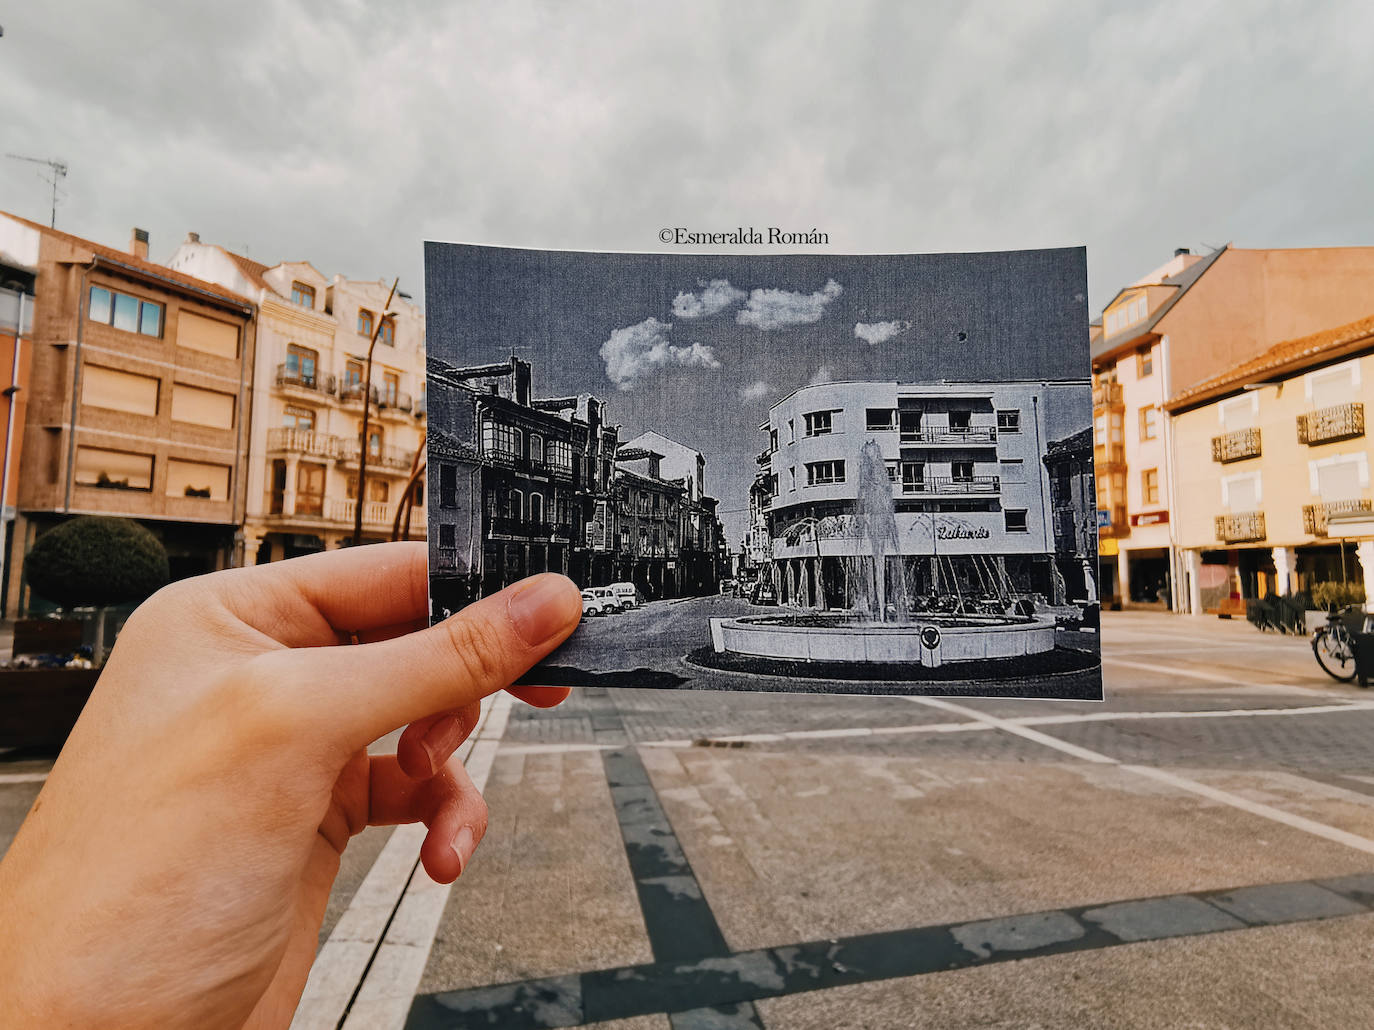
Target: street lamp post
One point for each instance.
(367, 403)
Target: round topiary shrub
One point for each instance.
(97, 561)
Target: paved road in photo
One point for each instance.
(1197, 851)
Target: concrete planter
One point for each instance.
(39, 707)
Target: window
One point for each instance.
(199, 407)
(536, 448)
(378, 490)
(303, 295)
(309, 488)
(1334, 385)
(961, 471)
(515, 504)
(1009, 421)
(791, 431)
(880, 419)
(374, 441)
(208, 335)
(388, 334)
(118, 391)
(536, 507)
(891, 471)
(197, 479)
(560, 455)
(818, 423)
(298, 418)
(959, 421)
(447, 536)
(500, 439)
(278, 499)
(823, 473)
(353, 374)
(417, 493)
(365, 323)
(1149, 422)
(1014, 520)
(391, 388)
(772, 440)
(122, 311)
(1144, 362)
(1149, 486)
(913, 476)
(1127, 313)
(300, 365)
(113, 470)
(448, 486)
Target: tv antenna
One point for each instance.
(57, 171)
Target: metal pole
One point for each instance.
(367, 402)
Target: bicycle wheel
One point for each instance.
(1335, 653)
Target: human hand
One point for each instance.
(175, 868)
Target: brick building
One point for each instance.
(139, 398)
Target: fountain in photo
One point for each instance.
(901, 610)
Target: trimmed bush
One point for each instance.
(1324, 595)
(97, 561)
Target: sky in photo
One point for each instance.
(699, 347)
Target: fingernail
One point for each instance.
(542, 608)
(464, 843)
(435, 741)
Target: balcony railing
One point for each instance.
(303, 441)
(945, 485)
(1105, 454)
(397, 405)
(1314, 516)
(1236, 445)
(352, 393)
(375, 513)
(387, 457)
(1326, 425)
(1240, 527)
(1107, 395)
(506, 525)
(950, 435)
(319, 382)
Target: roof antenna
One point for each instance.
(57, 171)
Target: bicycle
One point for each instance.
(1333, 645)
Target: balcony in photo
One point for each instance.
(1240, 527)
(1327, 425)
(1236, 445)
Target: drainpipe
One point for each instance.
(1043, 475)
(11, 393)
(83, 302)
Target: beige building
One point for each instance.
(1190, 319)
(137, 402)
(1272, 457)
(306, 431)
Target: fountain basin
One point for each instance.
(928, 640)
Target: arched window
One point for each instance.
(536, 507)
(515, 504)
(536, 447)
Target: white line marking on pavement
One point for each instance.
(344, 958)
(385, 995)
(1167, 670)
(1017, 730)
(1225, 797)
(30, 777)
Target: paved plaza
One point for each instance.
(1198, 851)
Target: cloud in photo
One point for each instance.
(715, 296)
(756, 390)
(778, 309)
(880, 332)
(635, 350)
(824, 374)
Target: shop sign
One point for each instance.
(1149, 518)
(1106, 547)
(1104, 519)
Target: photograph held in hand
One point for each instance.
(820, 473)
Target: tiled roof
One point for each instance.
(1183, 281)
(136, 263)
(1288, 356)
(252, 270)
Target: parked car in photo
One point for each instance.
(597, 604)
(763, 593)
(609, 599)
(627, 594)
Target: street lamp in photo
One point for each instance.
(367, 404)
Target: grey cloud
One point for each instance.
(880, 332)
(717, 295)
(635, 350)
(756, 390)
(778, 309)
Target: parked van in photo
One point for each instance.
(628, 594)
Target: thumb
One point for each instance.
(364, 691)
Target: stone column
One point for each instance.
(1285, 564)
(1192, 562)
(288, 504)
(1364, 551)
(1123, 576)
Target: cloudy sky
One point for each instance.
(346, 133)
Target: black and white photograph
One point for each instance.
(817, 473)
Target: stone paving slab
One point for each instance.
(1279, 978)
(794, 847)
